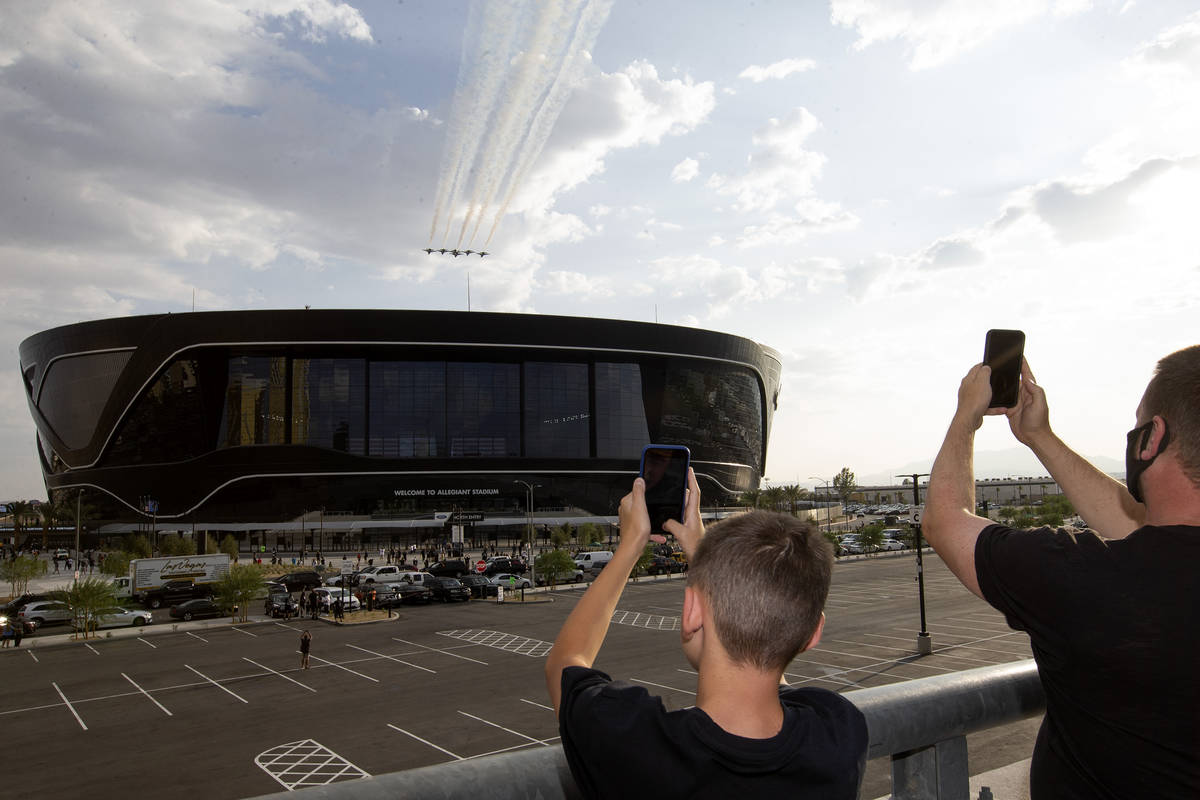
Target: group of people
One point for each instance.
(1111, 614)
(11, 634)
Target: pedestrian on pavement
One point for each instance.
(305, 643)
(314, 605)
(18, 632)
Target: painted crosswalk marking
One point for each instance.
(306, 763)
(510, 642)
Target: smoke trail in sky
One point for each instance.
(521, 59)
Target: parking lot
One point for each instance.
(227, 712)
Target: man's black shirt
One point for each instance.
(620, 741)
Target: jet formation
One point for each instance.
(456, 253)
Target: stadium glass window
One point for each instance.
(167, 421)
(408, 409)
(75, 390)
(557, 422)
(329, 403)
(483, 410)
(716, 411)
(621, 430)
(255, 402)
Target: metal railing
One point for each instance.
(922, 724)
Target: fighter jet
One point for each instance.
(481, 253)
(429, 250)
(456, 253)
(443, 251)
(468, 252)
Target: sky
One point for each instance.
(866, 186)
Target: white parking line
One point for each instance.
(439, 650)
(214, 683)
(392, 658)
(148, 697)
(280, 674)
(194, 636)
(539, 705)
(248, 633)
(339, 666)
(662, 686)
(68, 702)
(501, 727)
(89, 647)
(143, 641)
(455, 756)
(34, 657)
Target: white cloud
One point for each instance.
(576, 285)
(778, 70)
(937, 31)
(779, 169)
(810, 215)
(685, 170)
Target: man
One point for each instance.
(754, 600)
(1111, 614)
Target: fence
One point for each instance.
(921, 724)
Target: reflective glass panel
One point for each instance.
(329, 403)
(408, 409)
(715, 410)
(483, 408)
(166, 423)
(621, 430)
(556, 410)
(255, 401)
(74, 393)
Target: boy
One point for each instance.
(756, 587)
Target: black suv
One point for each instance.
(450, 569)
(294, 581)
(281, 604)
(504, 564)
(446, 589)
(176, 591)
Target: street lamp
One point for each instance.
(828, 524)
(924, 643)
(529, 487)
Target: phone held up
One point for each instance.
(664, 469)
(1003, 351)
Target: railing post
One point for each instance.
(936, 772)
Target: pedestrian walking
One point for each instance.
(314, 605)
(305, 644)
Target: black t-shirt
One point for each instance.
(1115, 628)
(622, 742)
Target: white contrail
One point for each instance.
(481, 72)
(594, 15)
(527, 85)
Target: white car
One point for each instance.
(384, 573)
(510, 581)
(327, 596)
(125, 618)
(891, 544)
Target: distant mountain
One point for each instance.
(1015, 462)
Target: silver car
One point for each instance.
(125, 618)
(46, 612)
(510, 581)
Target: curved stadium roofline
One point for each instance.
(245, 414)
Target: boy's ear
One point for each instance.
(815, 639)
(693, 613)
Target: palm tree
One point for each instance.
(19, 510)
(794, 493)
(774, 497)
(50, 513)
(89, 599)
(750, 497)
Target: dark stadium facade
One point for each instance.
(247, 416)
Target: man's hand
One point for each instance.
(691, 530)
(634, 519)
(1030, 417)
(975, 395)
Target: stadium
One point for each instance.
(383, 421)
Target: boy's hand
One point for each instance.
(634, 519)
(691, 530)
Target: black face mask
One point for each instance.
(1135, 442)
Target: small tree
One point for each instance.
(229, 546)
(138, 546)
(558, 538)
(20, 571)
(871, 536)
(116, 564)
(235, 591)
(1055, 508)
(844, 484)
(89, 599)
(554, 565)
(587, 533)
(176, 545)
(644, 559)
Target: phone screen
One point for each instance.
(664, 468)
(1002, 351)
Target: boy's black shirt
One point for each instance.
(620, 741)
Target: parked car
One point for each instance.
(281, 604)
(478, 585)
(295, 581)
(125, 618)
(498, 564)
(384, 573)
(891, 544)
(447, 589)
(327, 595)
(46, 612)
(413, 593)
(176, 591)
(661, 565)
(195, 609)
(510, 581)
(14, 606)
(576, 575)
(453, 568)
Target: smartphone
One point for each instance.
(665, 469)
(1002, 351)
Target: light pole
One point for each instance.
(924, 643)
(828, 523)
(529, 487)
